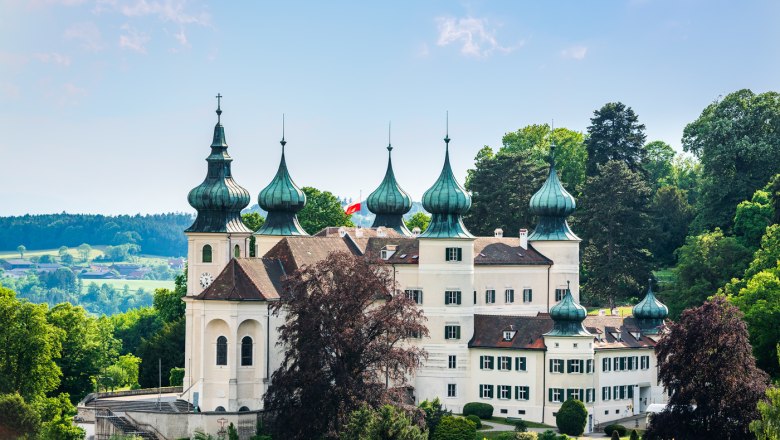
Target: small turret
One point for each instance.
(282, 199)
(552, 204)
(567, 317)
(447, 201)
(389, 201)
(219, 199)
(650, 312)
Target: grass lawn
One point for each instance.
(133, 285)
(94, 253)
(664, 276)
(623, 310)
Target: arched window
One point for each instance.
(246, 351)
(236, 252)
(220, 409)
(243, 409)
(221, 350)
(207, 253)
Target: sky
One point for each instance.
(108, 105)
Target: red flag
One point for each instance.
(353, 208)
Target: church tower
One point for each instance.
(218, 233)
(282, 199)
(553, 237)
(389, 202)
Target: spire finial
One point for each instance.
(568, 285)
(283, 142)
(447, 135)
(389, 143)
(552, 143)
(219, 107)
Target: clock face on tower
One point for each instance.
(206, 279)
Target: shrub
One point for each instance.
(455, 428)
(521, 426)
(176, 376)
(506, 435)
(548, 435)
(572, 417)
(482, 410)
(474, 418)
(615, 435)
(433, 413)
(634, 435)
(621, 430)
(526, 436)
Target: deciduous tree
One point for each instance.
(658, 163)
(167, 345)
(345, 341)
(322, 210)
(418, 220)
(671, 216)
(22, 249)
(706, 364)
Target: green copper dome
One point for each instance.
(389, 202)
(282, 199)
(567, 317)
(650, 312)
(219, 199)
(447, 201)
(552, 204)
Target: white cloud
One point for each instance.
(181, 37)
(575, 52)
(87, 33)
(133, 39)
(52, 58)
(166, 10)
(474, 36)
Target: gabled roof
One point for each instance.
(506, 251)
(407, 249)
(489, 332)
(246, 279)
(297, 251)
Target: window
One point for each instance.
(590, 395)
(452, 297)
(509, 296)
(620, 392)
(555, 394)
(621, 364)
(521, 411)
(207, 253)
(414, 334)
(508, 335)
(219, 409)
(528, 295)
(490, 296)
(221, 350)
(504, 411)
(556, 365)
(453, 254)
(634, 363)
(606, 393)
(451, 332)
(236, 251)
(475, 297)
(246, 351)
(574, 366)
(630, 391)
(589, 366)
(452, 361)
(415, 295)
(521, 392)
(559, 294)
(645, 362)
(504, 392)
(504, 363)
(486, 391)
(574, 393)
(486, 362)
(452, 390)
(575, 345)
(520, 364)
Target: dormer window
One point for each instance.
(381, 232)
(453, 254)
(509, 335)
(387, 251)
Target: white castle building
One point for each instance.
(505, 323)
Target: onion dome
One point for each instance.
(447, 201)
(219, 199)
(650, 312)
(389, 202)
(552, 204)
(567, 317)
(282, 199)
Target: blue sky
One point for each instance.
(108, 105)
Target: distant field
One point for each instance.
(623, 311)
(133, 285)
(664, 276)
(97, 251)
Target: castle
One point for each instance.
(504, 318)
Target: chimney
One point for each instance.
(524, 238)
(381, 232)
(498, 233)
(358, 232)
(416, 232)
(342, 231)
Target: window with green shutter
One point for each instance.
(520, 363)
(453, 254)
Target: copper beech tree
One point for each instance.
(345, 338)
(707, 366)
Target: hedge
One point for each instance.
(455, 428)
(475, 419)
(621, 430)
(482, 410)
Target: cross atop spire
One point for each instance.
(283, 142)
(447, 135)
(389, 144)
(219, 107)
